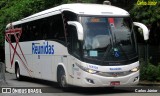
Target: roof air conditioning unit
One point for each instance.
(106, 2)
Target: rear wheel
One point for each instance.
(18, 75)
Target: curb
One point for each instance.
(149, 83)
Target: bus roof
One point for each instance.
(78, 8)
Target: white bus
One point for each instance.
(87, 45)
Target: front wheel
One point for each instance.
(62, 79)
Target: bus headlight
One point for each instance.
(92, 71)
(87, 69)
(135, 69)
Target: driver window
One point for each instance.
(72, 41)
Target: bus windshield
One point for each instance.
(108, 40)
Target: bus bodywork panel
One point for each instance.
(33, 64)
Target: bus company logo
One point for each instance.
(115, 68)
(147, 2)
(45, 48)
(93, 67)
(115, 74)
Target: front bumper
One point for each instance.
(93, 80)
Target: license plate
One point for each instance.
(115, 83)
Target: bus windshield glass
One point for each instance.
(108, 40)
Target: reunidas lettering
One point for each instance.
(42, 49)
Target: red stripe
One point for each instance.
(19, 31)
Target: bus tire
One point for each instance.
(62, 79)
(17, 72)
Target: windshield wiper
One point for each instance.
(119, 45)
(109, 47)
(106, 52)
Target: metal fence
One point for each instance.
(149, 53)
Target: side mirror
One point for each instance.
(78, 27)
(142, 28)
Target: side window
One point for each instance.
(49, 28)
(36, 32)
(52, 28)
(31, 31)
(12, 38)
(59, 32)
(24, 29)
(26, 32)
(51, 25)
(43, 23)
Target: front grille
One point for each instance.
(114, 74)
